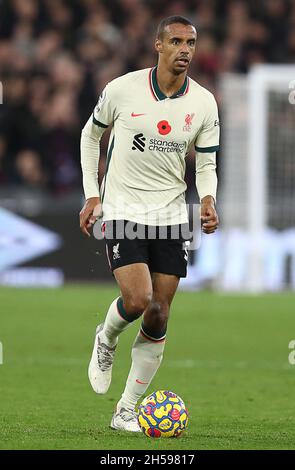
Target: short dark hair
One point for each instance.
(172, 20)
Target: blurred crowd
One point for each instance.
(57, 55)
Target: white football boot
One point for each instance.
(125, 420)
(101, 363)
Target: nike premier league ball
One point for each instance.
(162, 414)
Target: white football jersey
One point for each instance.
(150, 138)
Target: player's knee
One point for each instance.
(159, 308)
(136, 304)
(159, 312)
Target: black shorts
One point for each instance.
(163, 249)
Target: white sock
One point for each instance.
(114, 323)
(146, 356)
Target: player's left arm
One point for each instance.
(206, 146)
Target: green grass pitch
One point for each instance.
(226, 356)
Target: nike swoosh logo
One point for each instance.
(136, 115)
(141, 383)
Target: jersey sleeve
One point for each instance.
(104, 113)
(208, 138)
(206, 146)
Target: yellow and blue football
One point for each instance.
(162, 414)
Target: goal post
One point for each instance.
(257, 196)
(263, 80)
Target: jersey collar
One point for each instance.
(158, 94)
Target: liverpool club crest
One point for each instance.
(188, 122)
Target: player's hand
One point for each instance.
(209, 217)
(89, 214)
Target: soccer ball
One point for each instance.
(162, 414)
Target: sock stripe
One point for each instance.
(122, 312)
(150, 338)
(154, 334)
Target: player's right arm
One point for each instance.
(103, 115)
